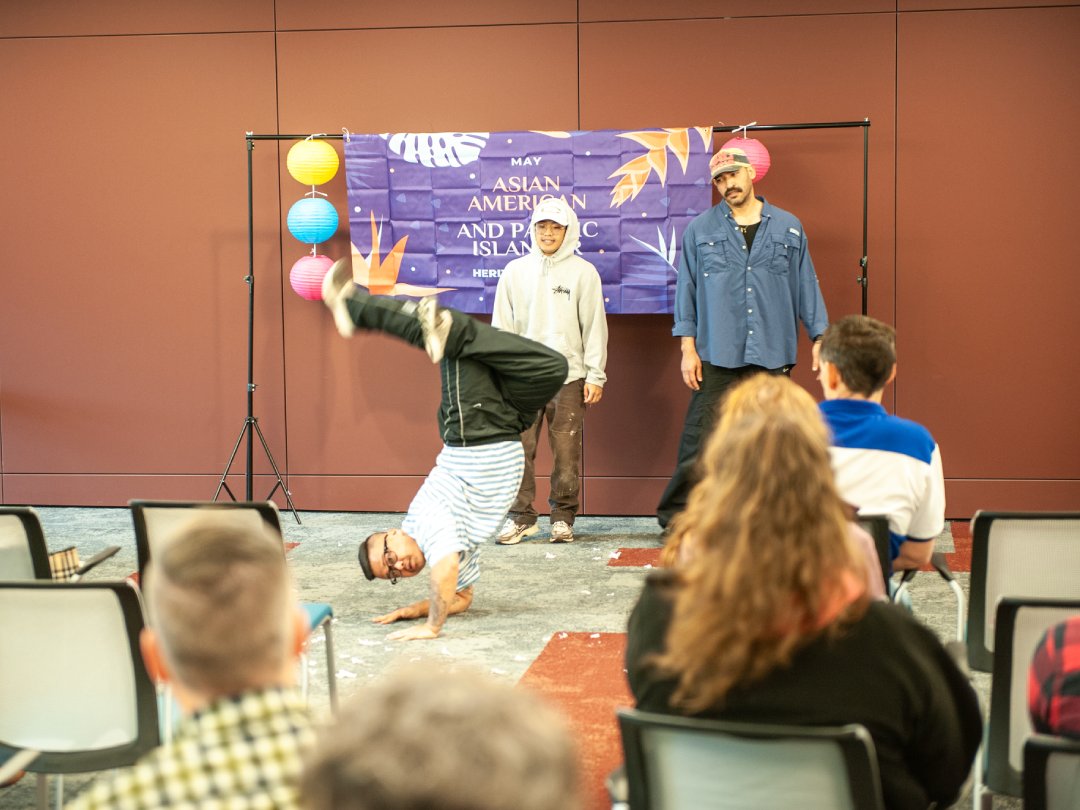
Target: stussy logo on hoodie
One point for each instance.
(561, 289)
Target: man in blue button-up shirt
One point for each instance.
(745, 279)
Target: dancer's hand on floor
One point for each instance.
(419, 631)
(396, 615)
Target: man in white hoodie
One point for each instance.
(555, 297)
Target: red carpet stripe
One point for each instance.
(959, 560)
(634, 557)
(582, 675)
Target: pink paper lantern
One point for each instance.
(307, 274)
(757, 153)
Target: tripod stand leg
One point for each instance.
(232, 456)
(277, 475)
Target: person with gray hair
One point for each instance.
(225, 632)
(428, 738)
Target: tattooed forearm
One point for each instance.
(438, 610)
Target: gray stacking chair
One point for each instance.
(1019, 625)
(155, 520)
(681, 763)
(76, 695)
(1021, 554)
(877, 526)
(23, 553)
(1051, 773)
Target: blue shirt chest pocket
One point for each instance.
(784, 254)
(713, 254)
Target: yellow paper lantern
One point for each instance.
(312, 162)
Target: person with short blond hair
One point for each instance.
(225, 632)
(427, 737)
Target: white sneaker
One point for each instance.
(562, 532)
(512, 533)
(435, 323)
(337, 286)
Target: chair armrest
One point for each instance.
(100, 557)
(941, 565)
(908, 575)
(17, 762)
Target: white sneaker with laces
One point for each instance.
(337, 286)
(562, 532)
(512, 533)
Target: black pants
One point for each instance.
(701, 417)
(494, 383)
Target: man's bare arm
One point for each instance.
(443, 592)
(913, 554)
(418, 610)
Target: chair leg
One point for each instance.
(166, 704)
(331, 674)
(42, 791)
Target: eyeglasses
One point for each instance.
(389, 560)
(550, 226)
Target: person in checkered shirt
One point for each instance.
(1054, 681)
(225, 632)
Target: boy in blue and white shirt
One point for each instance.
(493, 385)
(884, 465)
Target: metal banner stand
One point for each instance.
(862, 279)
(251, 428)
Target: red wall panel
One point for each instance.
(987, 285)
(609, 10)
(417, 14)
(65, 18)
(123, 318)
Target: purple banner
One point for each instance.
(445, 212)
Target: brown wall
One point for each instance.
(123, 307)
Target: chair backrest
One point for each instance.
(155, 520)
(1051, 773)
(1019, 626)
(680, 763)
(1023, 554)
(877, 526)
(72, 679)
(23, 554)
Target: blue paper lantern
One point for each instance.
(312, 220)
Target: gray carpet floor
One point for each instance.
(526, 593)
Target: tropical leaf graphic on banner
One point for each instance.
(664, 249)
(438, 150)
(634, 174)
(380, 275)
